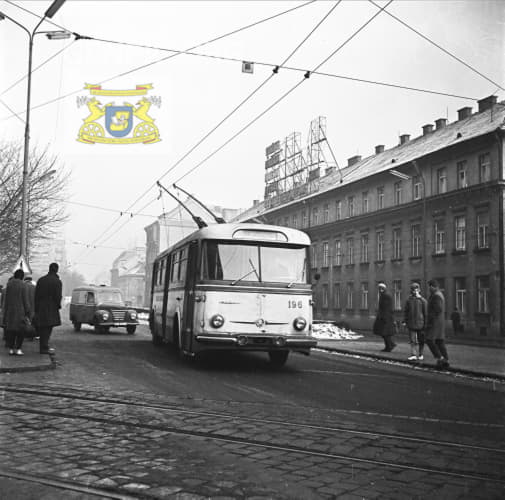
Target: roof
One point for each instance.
(476, 125)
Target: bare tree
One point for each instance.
(47, 182)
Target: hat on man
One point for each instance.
(382, 285)
(415, 286)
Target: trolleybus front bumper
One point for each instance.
(263, 342)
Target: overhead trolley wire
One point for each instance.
(229, 114)
(429, 40)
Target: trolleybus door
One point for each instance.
(189, 297)
(165, 281)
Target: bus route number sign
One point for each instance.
(294, 304)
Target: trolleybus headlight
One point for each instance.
(300, 323)
(217, 321)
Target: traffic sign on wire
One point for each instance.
(22, 263)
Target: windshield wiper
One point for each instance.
(303, 274)
(247, 274)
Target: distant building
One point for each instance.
(430, 207)
(44, 252)
(173, 226)
(128, 274)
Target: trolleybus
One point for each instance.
(240, 286)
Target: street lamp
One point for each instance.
(52, 35)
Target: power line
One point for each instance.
(450, 54)
(231, 112)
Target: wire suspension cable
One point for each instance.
(429, 40)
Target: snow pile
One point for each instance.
(328, 331)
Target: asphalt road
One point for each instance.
(324, 426)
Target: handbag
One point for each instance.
(27, 328)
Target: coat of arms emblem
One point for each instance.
(118, 124)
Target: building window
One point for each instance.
(325, 296)
(338, 253)
(349, 294)
(415, 240)
(350, 250)
(314, 216)
(380, 245)
(364, 295)
(485, 167)
(380, 198)
(483, 230)
(460, 229)
(461, 172)
(398, 193)
(460, 294)
(338, 210)
(350, 206)
(336, 296)
(294, 221)
(397, 295)
(364, 207)
(397, 243)
(441, 180)
(417, 188)
(313, 255)
(483, 294)
(326, 256)
(304, 218)
(439, 237)
(326, 214)
(364, 248)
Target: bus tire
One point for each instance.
(77, 326)
(278, 358)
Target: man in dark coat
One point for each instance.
(47, 306)
(384, 321)
(435, 327)
(16, 311)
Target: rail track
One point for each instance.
(274, 434)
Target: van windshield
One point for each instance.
(253, 262)
(110, 296)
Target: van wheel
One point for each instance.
(130, 329)
(77, 326)
(278, 358)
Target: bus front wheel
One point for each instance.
(278, 358)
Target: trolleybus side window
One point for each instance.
(174, 271)
(183, 264)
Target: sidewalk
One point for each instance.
(468, 359)
(31, 361)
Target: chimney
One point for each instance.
(427, 129)
(404, 138)
(379, 149)
(440, 123)
(464, 113)
(353, 160)
(487, 103)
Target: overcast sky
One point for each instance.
(198, 92)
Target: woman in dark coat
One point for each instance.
(16, 311)
(384, 320)
(47, 306)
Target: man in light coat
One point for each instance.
(47, 306)
(435, 327)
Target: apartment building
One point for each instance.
(430, 207)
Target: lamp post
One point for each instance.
(52, 35)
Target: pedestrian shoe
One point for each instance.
(392, 347)
(12, 352)
(47, 351)
(19, 352)
(420, 358)
(413, 358)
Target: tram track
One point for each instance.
(388, 442)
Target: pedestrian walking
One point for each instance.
(16, 312)
(47, 306)
(456, 321)
(435, 325)
(30, 332)
(415, 316)
(384, 321)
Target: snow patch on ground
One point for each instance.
(328, 331)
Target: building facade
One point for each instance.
(430, 207)
(128, 274)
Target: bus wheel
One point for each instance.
(278, 358)
(130, 329)
(77, 326)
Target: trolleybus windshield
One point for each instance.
(237, 262)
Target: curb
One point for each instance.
(461, 371)
(32, 368)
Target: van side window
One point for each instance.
(90, 298)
